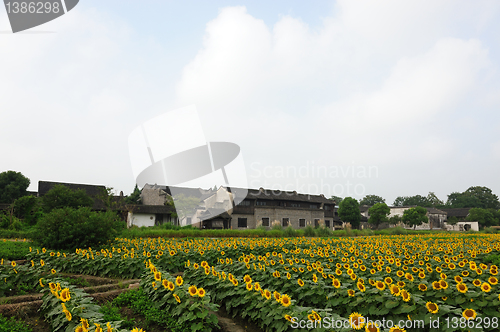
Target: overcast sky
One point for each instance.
(343, 98)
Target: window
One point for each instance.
(260, 203)
(188, 221)
(286, 222)
(313, 206)
(302, 223)
(265, 222)
(327, 223)
(294, 204)
(244, 203)
(316, 222)
(242, 222)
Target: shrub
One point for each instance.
(323, 232)
(289, 232)
(309, 231)
(69, 228)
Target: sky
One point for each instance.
(344, 98)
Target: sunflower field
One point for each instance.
(431, 282)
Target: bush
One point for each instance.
(309, 231)
(69, 228)
(323, 232)
(289, 232)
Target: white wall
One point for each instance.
(140, 219)
(474, 226)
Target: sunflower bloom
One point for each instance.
(432, 307)
(193, 291)
(357, 321)
(469, 314)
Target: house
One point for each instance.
(435, 216)
(215, 208)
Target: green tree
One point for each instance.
(378, 214)
(417, 200)
(13, 185)
(108, 198)
(371, 200)
(61, 196)
(27, 208)
(349, 211)
(337, 199)
(434, 200)
(484, 217)
(415, 216)
(474, 197)
(134, 197)
(69, 228)
(452, 220)
(395, 219)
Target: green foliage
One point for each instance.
(109, 200)
(474, 197)
(69, 228)
(13, 185)
(12, 250)
(452, 220)
(378, 214)
(134, 197)
(349, 211)
(484, 217)
(13, 325)
(371, 200)
(138, 301)
(309, 231)
(289, 232)
(26, 208)
(415, 216)
(394, 220)
(61, 196)
(337, 199)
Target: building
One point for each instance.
(214, 208)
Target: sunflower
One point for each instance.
(40, 281)
(397, 329)
(277, 296)
(465, 273)
(443, 284)
(68, 315)
(336, 283)
(201, 292)
(485, 287)
(400, 273)
(98, 328)
(462, 288)
(409, 276)
(286, 300)
(388, 280)
(249, 286)
(53, 271)
(361, 286)
(157, 276)
(469, 314)
(267, 294)
(394, 290)
(177, 298)
(380, 285)
(432, 307)
(85, 324)
(65, 295)
(164, 283)
(300, 282)
(315, 278)
(493, 280)
(458, 279)
(257, 287)
(247, 278)
(405, 295)
(371, 327)
(193, 291)
(401, 284)
(476, 282)
(357, 321)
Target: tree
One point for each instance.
(371, 200)
(378, 214)
(13, 185)
(474, 197)
(484, 217)
(349, 211)
(27, 208)
(415, 216)
(337, 199)
(395, 219)
(109, 199)
(452, 220)
(417, 200)
(433, 199)
(134, 197)
(61, 196)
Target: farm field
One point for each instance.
(429, 282)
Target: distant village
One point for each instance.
(215, 208)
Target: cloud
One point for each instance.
(381, 84)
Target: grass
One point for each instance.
(14, 250)
(12, 325)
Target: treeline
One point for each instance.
(61, 219)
